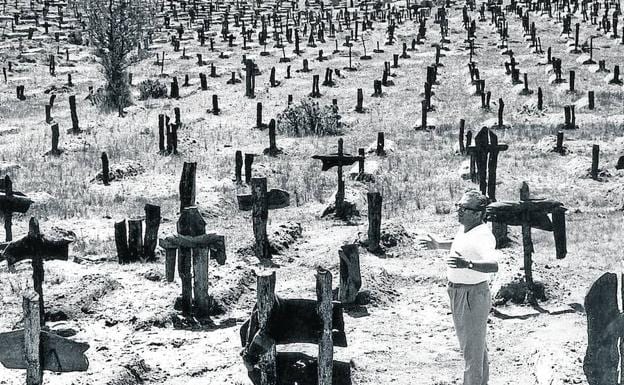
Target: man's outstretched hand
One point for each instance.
(430, 243)
(457, 262)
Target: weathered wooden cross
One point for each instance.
(259, 202)
(192, 240)
(483, 163)
(339, 160)
(484, 159)
(12, 202)
(285, 321)
(36, 350)
(531, 213)
(36, 246)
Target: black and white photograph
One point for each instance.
(183, 201)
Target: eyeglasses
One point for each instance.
(462, 209)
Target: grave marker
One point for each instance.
(338, 160)
(532, 213)
(259, 202)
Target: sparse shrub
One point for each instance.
(152, 89)
(115, 29)
(308, 118)
(74, 37)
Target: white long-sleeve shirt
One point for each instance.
(476, 245)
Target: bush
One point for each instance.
(308, 118)
(152, 89)
(74, 37)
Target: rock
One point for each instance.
(620, 163)
(153, 276)
(56, 314)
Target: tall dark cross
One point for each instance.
(259, 202)
(339, 160)
(483, 162)
(532, 213)
(12, 202)
(37, 246)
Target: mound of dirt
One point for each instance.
(80, 298)
(518, 292)
(283, 236)
(137, 371)
(393, 233)
(122, 170)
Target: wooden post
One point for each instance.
(48, 114)
(135, 240)
(266, 299)
(540, 99)
(201, 282)
(591, 100)
(260, 213)
(74, 114)
(238, 168)
(559, 232)
(161, 133)
(37, 266)
(462, 149)
(350, 277)
(152, 223)
(170, 262)
(361, 162)
(248, 162)
(559, 144)
(325, 312)
(105, 171)
(527, 242)
(121, 242)
(187, 185)
(340, 193)
(360, 100)
(32, 342)
(380, 144)
(249, 79)
(191, 223)
(595, 158)
(8, 215)
(259, 115)
(374, 221)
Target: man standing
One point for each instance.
(472, 258)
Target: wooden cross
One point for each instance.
(12, 202)
(259, 202)
(53, 246)
(483, 161)
(531, 213)
(605, 326)
(277, 321)
(339, 160)
(192, 240)
(36, 350)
